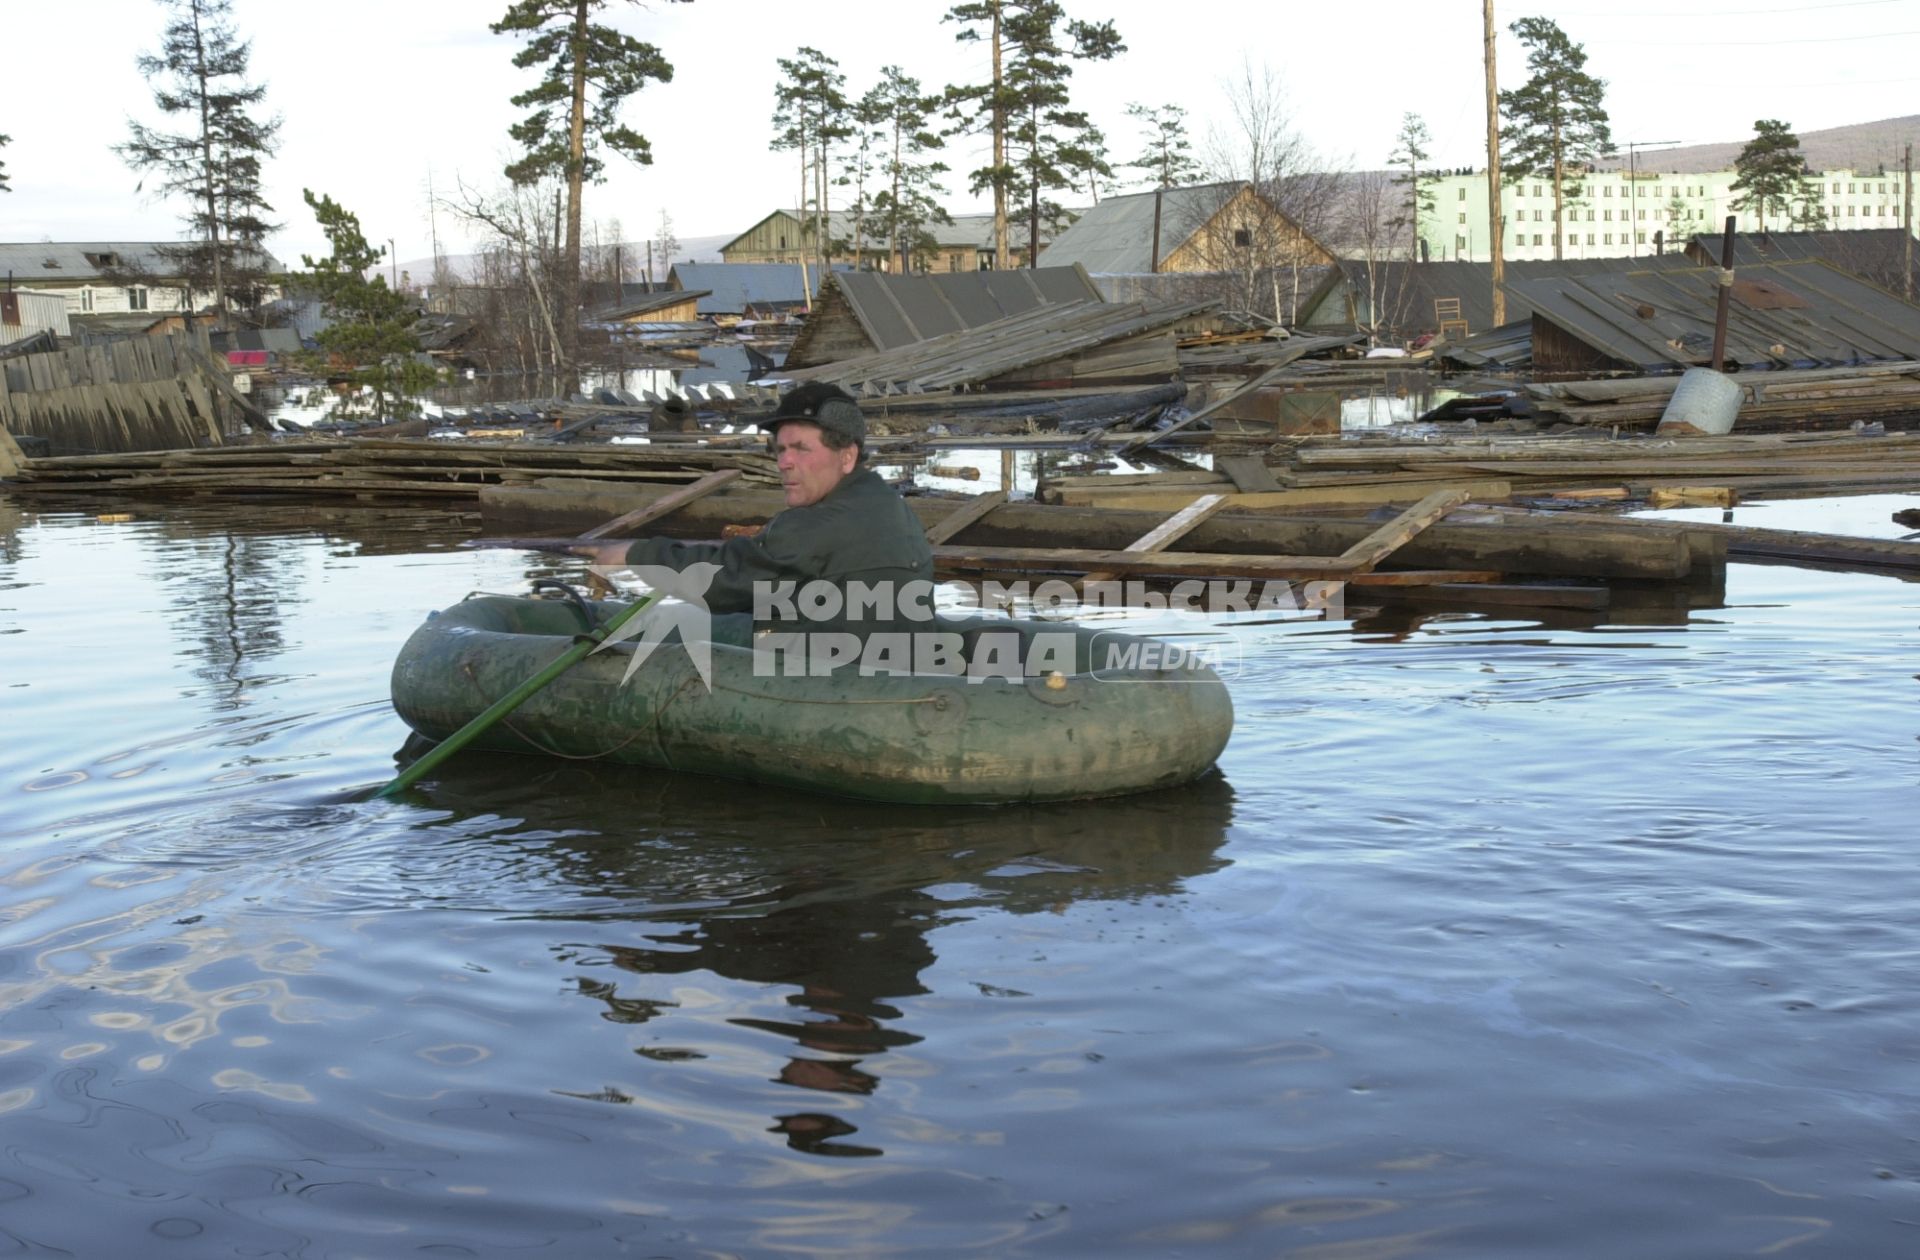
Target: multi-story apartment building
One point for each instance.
(1622, 213)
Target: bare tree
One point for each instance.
(521, 265)
(1282, 195)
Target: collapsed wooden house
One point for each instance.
(865, 312)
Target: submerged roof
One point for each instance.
(1786, 314)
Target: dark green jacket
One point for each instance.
(861, 532)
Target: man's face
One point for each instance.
(809, 469)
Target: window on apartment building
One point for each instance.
(1536, 216)
(1849, 212)
(1642, 237)
(1589, 238)
(1536, 190)
(1463, 193)
(1836, 190)
(1656, 190)
(1609, 216)
(136, 299)
(1849, 187)
(1536, 238)
(1883, 190)
(1460, 244)
(1609, 237)
(1609, 191)
(1463, 216)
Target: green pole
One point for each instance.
(512, 700)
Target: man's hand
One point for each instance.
(610, 555)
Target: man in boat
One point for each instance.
(843, 524)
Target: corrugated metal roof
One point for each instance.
(1407, 291)
(1116, 236)
(1789, 314)
(897, 311)
(733, 287)
(76, 261)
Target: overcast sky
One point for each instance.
(378, 97)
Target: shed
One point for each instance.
(24, 312)
(670, 306)
(865, 311)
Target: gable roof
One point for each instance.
(76, 262)
(1116, 236)
(900, 310)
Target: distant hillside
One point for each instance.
(1856, 147)
(693, 249)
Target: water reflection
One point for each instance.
(835, 907)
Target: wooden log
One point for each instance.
(665, 504)
(1318, 497)
(1489, 542)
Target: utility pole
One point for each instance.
(1906, 217)
(1496, 222)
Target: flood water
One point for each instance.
(1494, 936)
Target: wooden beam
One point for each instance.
(1383, 542)
(975, 508)
(666, 503)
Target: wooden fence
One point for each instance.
(137, 394)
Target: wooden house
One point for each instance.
(787, 236)
(1219, 227)
(113, 277)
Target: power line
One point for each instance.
(1721, 13)
(1759, 43)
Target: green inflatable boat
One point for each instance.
(996, 710)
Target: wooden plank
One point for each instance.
(670, 502)
(1171, 530)
(1389, 538)
(975, 508)
(1250, 473)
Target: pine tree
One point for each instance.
(812, 114)
(200, 73)
(371, 337)
(1557, 120)
(590, 71)
(1772, 175)
(1417, 199)
(907, 204)
(1168, 158)
(1025, 103)
(4, 186)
